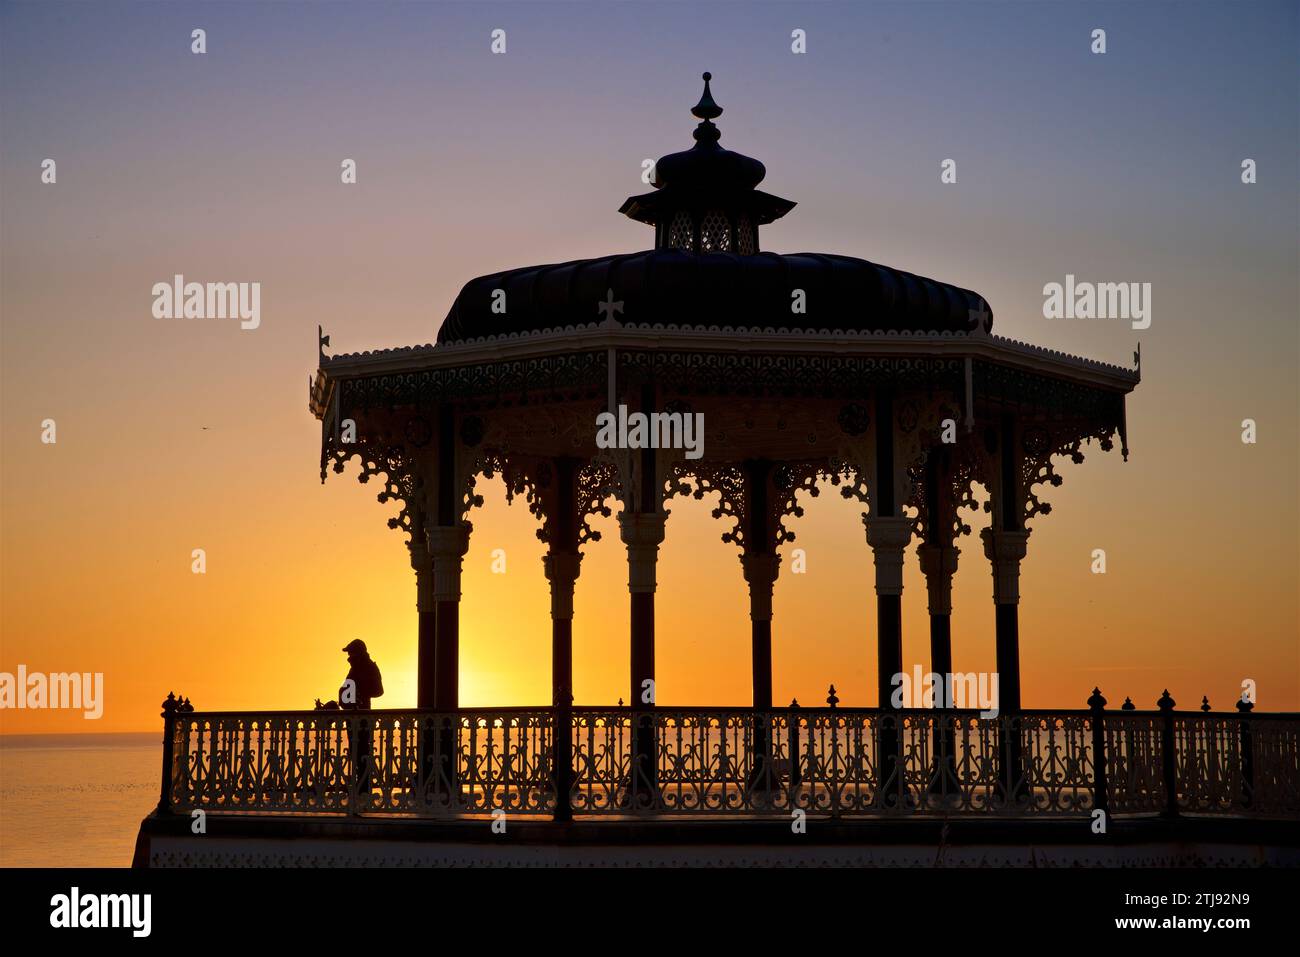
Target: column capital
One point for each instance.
(888, 536)
(562, 569)
(642, 533)
(1005, 550)
(447, 545)
(761, 570)
(938, 564)
(422, 562)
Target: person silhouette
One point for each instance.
(363, 682)
(362, 685)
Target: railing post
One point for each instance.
(1168, 758)
(169, 733)
(792, 745)
(562, 757)
(1100, 793)
(170, 709)
(1247, 753)
(354, 769)
(1128, 781)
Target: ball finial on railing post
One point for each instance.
(170, 706)
(792, 744)
(1205, 702)
(1247, 745)
(1128, 705)
(831, 698)
(1168, 760)
(1097, 723)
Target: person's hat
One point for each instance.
(356, 644)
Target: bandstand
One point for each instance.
(806, 370)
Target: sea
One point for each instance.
(75, 800)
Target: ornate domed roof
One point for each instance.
(840, 293)
(706, 268)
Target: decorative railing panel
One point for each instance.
(1133, 762)
(827, 762)
(412, 763)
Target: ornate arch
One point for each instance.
(962, 469)
(400, 473)
(699, 478)
(531, 477)
(599, 479)
(1038, 443)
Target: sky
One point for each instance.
(225, 166)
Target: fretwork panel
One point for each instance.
(717, 761)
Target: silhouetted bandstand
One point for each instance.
(807, 368)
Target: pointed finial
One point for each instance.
(832, 699)
(706, 134)
(707, 109)
(1205, 702)
(1128, 705)
(1096, 701)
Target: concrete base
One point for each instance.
(248, 841)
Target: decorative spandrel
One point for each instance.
(697, 479)
(395, 464)
(788, 480)
(598, 482)
(1037, 446)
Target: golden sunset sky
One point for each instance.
(176, 435)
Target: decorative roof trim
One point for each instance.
(726, 338)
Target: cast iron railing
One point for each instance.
(833, 762)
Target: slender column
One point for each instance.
(426, 648)
(939, 564)
(888, 537)
(1005, 550)
(938, 559)
(1005, 545)
(563, 562)
(760, 572)
(642, 533)
(447, 546)
(888, 533)
(761, 569)
(761, 565)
